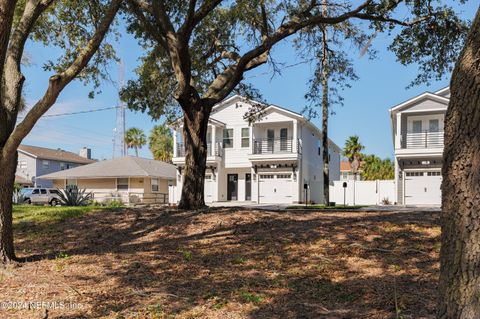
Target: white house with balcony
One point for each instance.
(269, 161)
(417, 127)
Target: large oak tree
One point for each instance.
(198, 51)
(77, 28)
(460, 252)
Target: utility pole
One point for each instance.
(119, 146)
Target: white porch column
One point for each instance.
(295, 136)
(213, 131)
(174, 143)
(397, 200)
(398, 132)
(251, 139)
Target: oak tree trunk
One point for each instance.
(195, 125)
(459, 287)
(7, 180)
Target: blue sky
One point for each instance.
(382, 84)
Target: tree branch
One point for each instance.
(392, 20)
(227, 80)
(149, 27)
(62, 79)
(13, 77)
(142, 5)
(194, 18)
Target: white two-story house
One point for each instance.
(417, 127)
(269, 161)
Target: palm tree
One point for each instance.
(161, 143)
(353, 152)
(135, 138)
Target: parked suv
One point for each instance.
(42, 196)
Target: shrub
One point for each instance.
(72, 196)
(386, 201)
(113, 203)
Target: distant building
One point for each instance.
(128, 179)
(417, 132)
(35, 161)
(346, 173)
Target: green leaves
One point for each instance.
(135, 138)
(161, 143)
(375, 168)
(68, 25)
(353, 148)
(433, 44)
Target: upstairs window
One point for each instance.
(434, 125)
(284, 139)
(228, 138)
(245, 137)
(417, 126)
(45, 164)
(22, 164)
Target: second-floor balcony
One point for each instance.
(422, 140)
(216, 151)
(274, 146)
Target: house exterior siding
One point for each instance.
(418, 128)
(30, 166)
(270, 164)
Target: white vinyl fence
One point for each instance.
(363, 192)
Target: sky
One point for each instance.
(382, 84)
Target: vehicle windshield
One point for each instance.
(26, 191)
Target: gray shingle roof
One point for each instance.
(127, 166)
(55, 155)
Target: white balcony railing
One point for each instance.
(426, 139)
(217, 150)
(274, 146)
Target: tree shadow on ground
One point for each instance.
(250, 264)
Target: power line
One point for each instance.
(75, 113)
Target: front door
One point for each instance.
(248, 186)
(232, 187)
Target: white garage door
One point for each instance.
(209, 188)
(423, 188)
(275, 188)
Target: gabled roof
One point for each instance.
(54, 155)
(345, 166)
(127, 166)
(419, 98)
(443, 92)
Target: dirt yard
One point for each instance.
(225, 263)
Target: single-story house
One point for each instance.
(129, 179)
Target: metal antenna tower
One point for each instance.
(119, 146)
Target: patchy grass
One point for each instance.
(250, 297)
(43, 214)
(225, 263)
